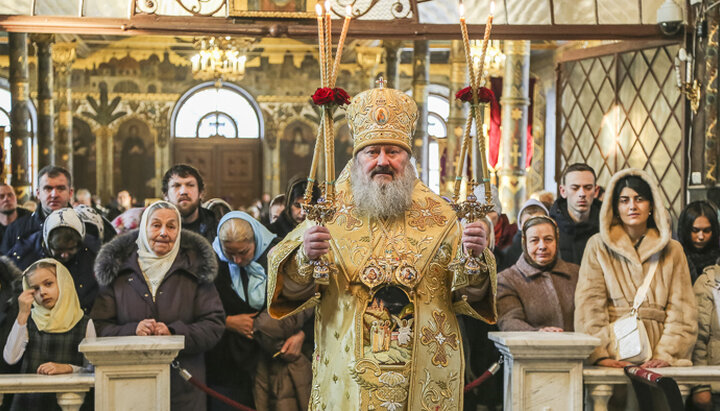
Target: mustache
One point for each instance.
(382, 170)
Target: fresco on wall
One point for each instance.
(134, 157)
(296, 150)
(83, 155)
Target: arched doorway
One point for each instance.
(218, 131)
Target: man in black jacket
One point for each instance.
(55, 191)
(9, 211)
(183, 186)
(577, 213)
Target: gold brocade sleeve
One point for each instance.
(290, 287)
(477, 293)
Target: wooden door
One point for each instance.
(231, 167)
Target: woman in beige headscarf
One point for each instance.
(49, 327)
(159, 281)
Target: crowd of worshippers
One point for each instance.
(200, 270)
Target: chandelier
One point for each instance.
(494, 58)
(220, 58)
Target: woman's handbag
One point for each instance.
(630, 341)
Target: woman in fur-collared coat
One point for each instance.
(159, 281)
(635, 225)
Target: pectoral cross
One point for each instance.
(515, 154)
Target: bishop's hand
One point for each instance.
(475, 238)
(316, 242)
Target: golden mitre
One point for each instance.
(382, 116)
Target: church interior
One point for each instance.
(119, 91)
(110, 88)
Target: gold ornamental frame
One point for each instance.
(239, 8)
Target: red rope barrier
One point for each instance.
(487, 374)
(189, 378)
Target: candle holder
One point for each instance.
(692, 93)
(322, 212)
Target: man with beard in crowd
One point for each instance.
(55, 191)
(577, 213)
(183, 186)
(386, 317)
(9, 211)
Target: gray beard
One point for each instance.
(382, 200)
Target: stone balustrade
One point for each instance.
(545, 371)
(131, 373)
(70, 388)
(599, 381)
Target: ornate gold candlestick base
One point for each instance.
(471, 210)
(321, 213)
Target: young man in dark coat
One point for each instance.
(183, 186)
(577, 213)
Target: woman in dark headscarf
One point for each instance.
(698, 231)
(258, 362)
(159, 281)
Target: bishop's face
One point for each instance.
(383, 163)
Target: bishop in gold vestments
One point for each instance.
(385, 328)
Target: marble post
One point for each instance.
(514, 102)
(421, 79)
(132, 373)
(456, 119)
(392, 59)
(64, 57)
(543, 371)
(46, 111)
(20, 135)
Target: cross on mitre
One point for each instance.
(381, 82)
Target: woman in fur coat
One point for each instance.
(159, 281)
(634, 226)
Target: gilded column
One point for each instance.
(711, 104)
(19, 116)
(64, 57)
(515, 102)
(421, 79)
(392, 57)
(46, 111)
(456, 119)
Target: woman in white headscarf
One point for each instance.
(158, 280)
(258, 362)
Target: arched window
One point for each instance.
(438, 113)
(208, 111)
(5, 107)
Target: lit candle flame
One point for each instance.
(318, 9)
(348, 11)
(492, 8)
(461, 9)
(327, 6)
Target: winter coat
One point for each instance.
(707, 292)
(530, 298)
(21, 212)
(186, 301)
(612, 270)
(29, 250)
(574, 236)
(281, 385)
(21, 228)
(699, 260)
